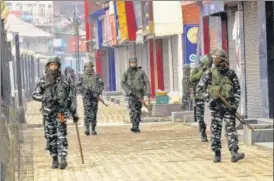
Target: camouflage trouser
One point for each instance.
(44, 124)
(56, 134)
(90, 109)
(200, 110)
(135, 112)
(218, 115)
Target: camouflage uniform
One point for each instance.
(224, 80)
(43, 114)
(71, 79)
(195, 77)
(91, 87)
(136, 85)
(55, 94)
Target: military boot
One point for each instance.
(63, 162)
(137, 128)
(133, 128)
(87, 131)
(217, 157)
(93, 132)
(55, 162)
(47, 145)
(235, 156)
(203, 137)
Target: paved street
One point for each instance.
(111, 114)
(162, 152)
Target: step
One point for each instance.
(165, 109)
(261, 133)
(265, 145)
(181, 115)
(112, 93)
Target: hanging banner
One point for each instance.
(212, 7)
(190, 44)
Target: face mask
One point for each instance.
(132, 65)
(89, 70)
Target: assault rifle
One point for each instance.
(102, 101)
(136, 94)
(237, 115)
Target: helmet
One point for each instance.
(207, 61)
(220, 54)
(220, 59)
(133, 59)
(68, 69)
(89, 64)
(54, 60)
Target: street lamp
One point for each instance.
(76, 22)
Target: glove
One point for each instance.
(75, 118)
(232, 110)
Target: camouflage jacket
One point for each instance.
(195, 77)
(91, 84)
(225, 82)
(59, 95)
(135, 82)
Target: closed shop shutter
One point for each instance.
(105, 69)
(174, 49)
(231, 43)
(215, 32)
(139, 54)
(144, 53)
(166, 64)
(251, 32)
(117, 68)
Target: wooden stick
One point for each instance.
(79, 141)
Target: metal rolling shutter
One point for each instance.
(174, 49)
(213, 32)
(231, 43)
(139, 54)
(117, 68)
(105, 70)
(251, 32)
(144, 53)
(166, 64)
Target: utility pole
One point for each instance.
(76, 24)
(0, 59)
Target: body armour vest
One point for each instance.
(135, 79)
(57, 94)
(221, 83)
(90, 82)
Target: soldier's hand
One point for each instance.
(75, 119)
(232, 110)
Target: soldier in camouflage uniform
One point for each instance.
(224, 81)
(55, 94)
(136, 85)
(195, 77)
(71, 79)
(92, 87)
(44, 117)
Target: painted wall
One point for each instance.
(167, 21)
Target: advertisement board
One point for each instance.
(190, 44)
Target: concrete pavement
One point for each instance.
(110, 114)
(161, 152)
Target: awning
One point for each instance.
(185, 3)
(98, 13)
